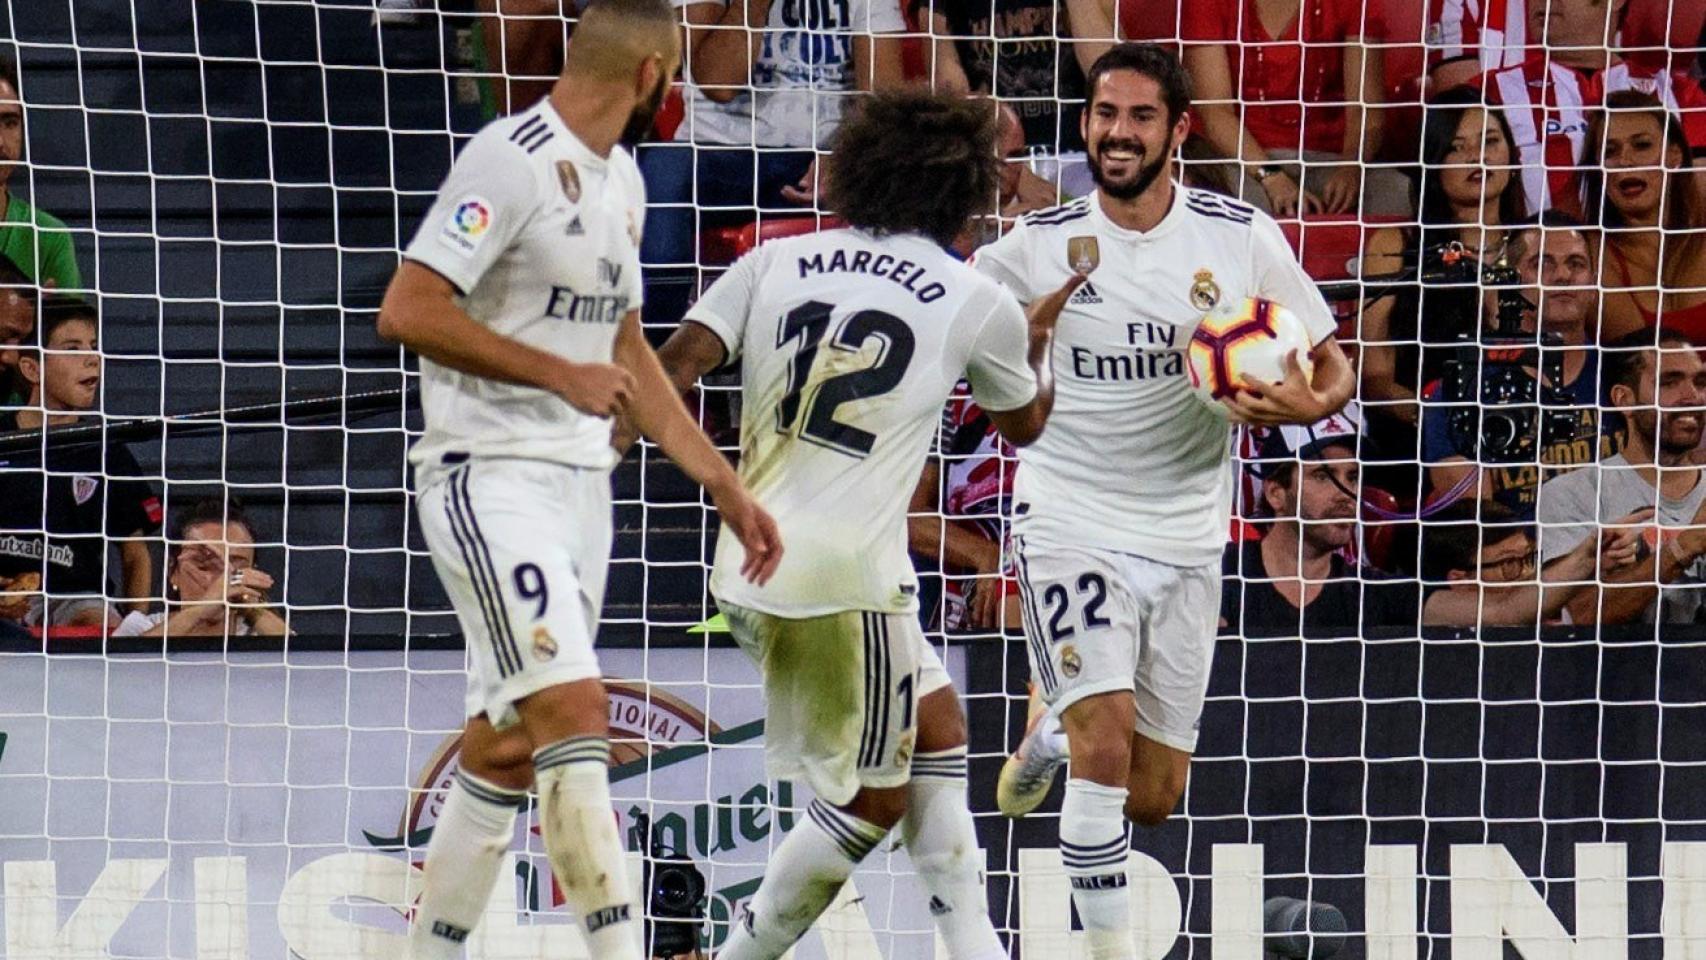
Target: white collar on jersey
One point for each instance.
(1175, 213)
(575, 147)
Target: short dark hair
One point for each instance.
(59, 310)
(9, 73)
(220, 510)
(1551, 220)
(1625, 358)
(1152, 60)
(912, 161)
(1453, 538)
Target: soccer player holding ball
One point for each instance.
(1121, 507)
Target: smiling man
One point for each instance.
(1121, 507)
(1661, 390)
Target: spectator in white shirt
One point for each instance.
(767, 81)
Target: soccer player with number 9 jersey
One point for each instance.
(1121, 509)
(521, 293)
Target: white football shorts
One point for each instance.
(522, 548)
(1097, 621)
(841, 695)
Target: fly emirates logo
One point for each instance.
(1152, 352)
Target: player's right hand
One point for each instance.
(597, 389)
(755, 529)
(1045, 313)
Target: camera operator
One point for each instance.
(1522, 405)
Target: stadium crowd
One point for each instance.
(1500, 197)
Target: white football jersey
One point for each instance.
(1131, 460)
(541, 237)
(849, 345)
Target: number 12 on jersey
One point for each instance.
(810, 403)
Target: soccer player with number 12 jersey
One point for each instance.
(1121, 508)
(849, 341)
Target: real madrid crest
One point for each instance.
(544, 647)
(1070, 663)
(1205, 293)
(570, 180)
(1083, 254)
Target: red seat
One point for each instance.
(725, 245)
(1377, 533)
(1327, 243)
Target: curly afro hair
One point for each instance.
(912, 161)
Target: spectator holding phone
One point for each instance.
(213, 587)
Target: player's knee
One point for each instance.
(941, 722)
(504, 759)
(882, 808)
(577, 709)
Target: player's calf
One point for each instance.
(473, 831)
(939, 833)
(1158, 774)
(1095, 838)
(581, 839)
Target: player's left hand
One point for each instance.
(803, 193)
(1292, 400)
(755, 529)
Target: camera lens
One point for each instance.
(672, 890)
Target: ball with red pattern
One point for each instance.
(1244, 337)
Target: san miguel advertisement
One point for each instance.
(212, 807)
(1472, 799)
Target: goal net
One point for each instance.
(234, 181)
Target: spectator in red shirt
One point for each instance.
(1306, 83)
(1548, 98)
(1650, 203)
(1468, 37)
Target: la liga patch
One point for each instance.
(467, 225)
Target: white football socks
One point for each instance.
(942, 841)
(805, 873)
(573, 778)
(469, 840)
(1094, 842)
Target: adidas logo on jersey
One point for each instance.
(575, 229)
(1085, 294)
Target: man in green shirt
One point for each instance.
(33, 239)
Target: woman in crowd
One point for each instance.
(1292, 92)
(1469, 195)
(213, 588)
(1650, 202)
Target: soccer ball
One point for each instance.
(1245, 337)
